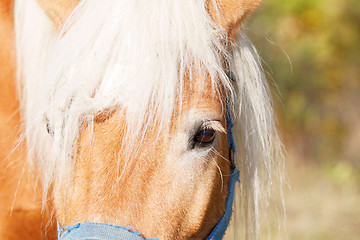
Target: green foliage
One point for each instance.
(311, 50)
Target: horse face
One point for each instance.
(173, 186)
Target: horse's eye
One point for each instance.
(204, 137)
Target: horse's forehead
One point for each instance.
(200, 93)
(198, 96)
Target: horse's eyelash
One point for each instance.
(216, 125)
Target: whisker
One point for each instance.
(220, 155)
(221, 174)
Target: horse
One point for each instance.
(129, 119)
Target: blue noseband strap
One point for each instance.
(92, 231)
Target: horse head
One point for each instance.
(130, 124)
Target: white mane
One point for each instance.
(135, 53)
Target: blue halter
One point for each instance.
(102, 231)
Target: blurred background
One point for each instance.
(311, 53)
